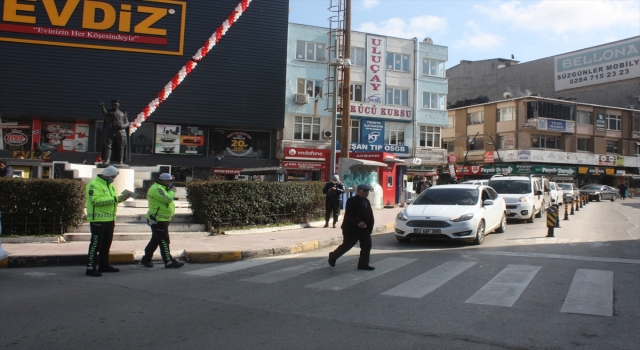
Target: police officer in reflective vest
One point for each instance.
(102, 204)
(159, 216)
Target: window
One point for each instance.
(355, 130)
(613, 122)
(584, 145)
(544, 141)
(612, 146)
(451, 121)
(432, 100)
(356, 91)
(549, 110)
(507, 142)
(449, 146)
(475, 118)
(394, 134)
(397, 97)
(506, 114)
(398, 62)
(306, 128)
(311, 87)
(475, 145)
(636, 126)
(310, 51)
(240, 143)
(433, 68)
(585, 117)
(429, 136)
(357, 56)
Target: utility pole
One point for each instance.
(345, 143)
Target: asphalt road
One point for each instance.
(519, 290)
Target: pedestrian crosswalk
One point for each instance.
(590, 291)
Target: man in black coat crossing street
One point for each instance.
(356, 226)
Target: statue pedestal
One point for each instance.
(124, 180)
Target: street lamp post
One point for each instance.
(469, 144)
(493, 142)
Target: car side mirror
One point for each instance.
(538, 193)
(487, 202)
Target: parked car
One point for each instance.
(569, 191)
(523, 195)
(599, 192)
(455, 212)
(555, 193)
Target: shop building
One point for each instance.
(607, 75)
(559, 139)
(398, 104)
(226, 113)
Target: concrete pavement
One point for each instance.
(219, 248)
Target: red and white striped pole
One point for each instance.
(190, 66)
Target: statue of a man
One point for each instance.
(116, 133)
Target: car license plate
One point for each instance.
(427, 231)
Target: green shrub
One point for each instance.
(237, 203)
(40, 202)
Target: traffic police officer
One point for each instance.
(159, 216)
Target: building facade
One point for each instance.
(563, 140)
(58, 64)
(398, 93)
(607, 75)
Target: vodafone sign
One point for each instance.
(306, 153)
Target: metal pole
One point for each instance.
(466, 153)
(334, 122)
(346, 95)
(496, 146)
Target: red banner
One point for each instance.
(488, 157)
(469, 170)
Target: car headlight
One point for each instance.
(401, 216)
(523, 199)
(464, 217)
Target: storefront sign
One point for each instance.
(488, 157)
(556, 125)
(600, 122)
(526, 169)
(384, 112)
(523, 155)
(606, 160)
(239, 144)
(179, 139)
(376, 70)
(372, 132)
(307, 154)
(64, 137)
(469, 170)
(596, 171)
(304, 165)
(226, 171)
(553, 170)
(402, 151)
(600, 65)
(108, 25)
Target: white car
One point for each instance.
(476, 182)
(555, 193)
(569, 191)
(523, 195)
(453, 212)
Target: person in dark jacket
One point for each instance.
(333, 191)
(356, 227)
(5, 170)
(623, 190)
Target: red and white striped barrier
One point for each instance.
(190, 66)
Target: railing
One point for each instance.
(31, 225)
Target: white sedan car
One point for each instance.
(453, 212)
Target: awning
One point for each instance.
(393, 160)
(353, 162)
(263, 171)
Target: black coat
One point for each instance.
(355, 214)
(333, 195)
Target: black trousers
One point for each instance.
(159, 238)
(348, 241)
(332, 206)
(100, 244)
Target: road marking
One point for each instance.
(349, 279)
(558, 256)
(506, 287)
(430, 280)
(590, 293)
(289, 272)
(238, 265)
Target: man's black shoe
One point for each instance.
(368, 268)
(93, 273)
(108, 268)
(332, 261)
(146, 262)
(173, 264)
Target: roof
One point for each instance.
(544, 99)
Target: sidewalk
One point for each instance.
(207, 249)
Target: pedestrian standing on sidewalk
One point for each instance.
(357, 226)
(333, 190)
(623, 190)
(102, 204)
(5, 170)
(159, 216)
(422, 185)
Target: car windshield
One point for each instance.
(511, 187)
(448, 196)
(565, 186)
(591, 187)
(552, 186)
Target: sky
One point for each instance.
(479, 30)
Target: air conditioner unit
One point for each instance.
(301, 98)
(631, 107)
(327, 133)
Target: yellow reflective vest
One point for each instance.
(102, 201)
(161, 205)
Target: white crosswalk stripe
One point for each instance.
(293, 271)
(237, 266)
(430, 280)
(590, 293)
(506, 287)
(352, 278)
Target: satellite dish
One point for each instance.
(507, 95)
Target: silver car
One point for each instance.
(598, 192)
(569, 191)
